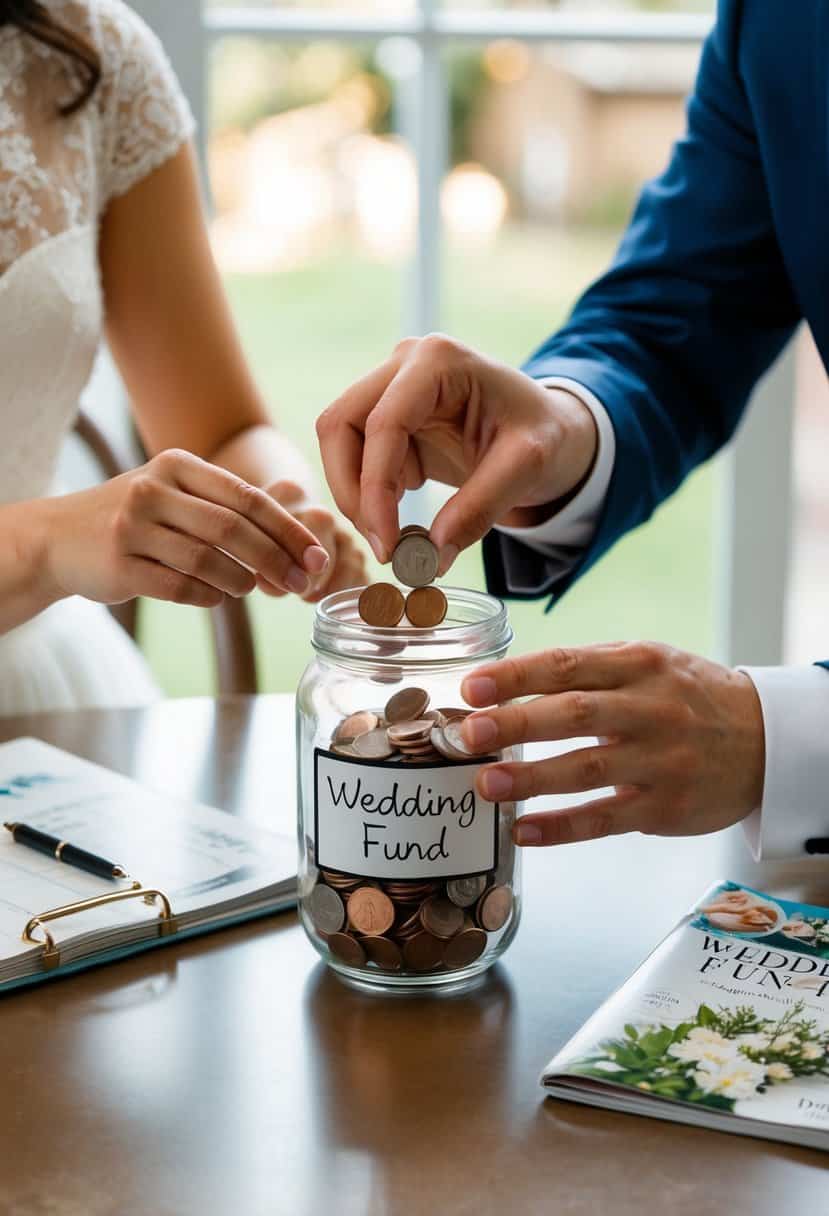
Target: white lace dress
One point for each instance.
(57, 176)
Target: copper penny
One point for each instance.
(386, 954)
(465, 948)
(355, 724)
(494, 908)
(423, 952)
(411, 528)
(406, 706)
(370, 911)
(347, 949)
(382, 605)
(441, 917)
(404, 733)
(426, 607)
(373, 745)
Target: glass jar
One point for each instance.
(408, 879)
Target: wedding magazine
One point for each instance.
(725, 1025)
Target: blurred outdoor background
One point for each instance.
(315, 203)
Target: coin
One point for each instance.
(355, 724)
(423, 952)
(385, 953)
(326, 909)
(415, 560)
(426, 607)
(441, 744)
(347, 948)
(403, 734)
(412, 528)
(454, 738)
(494, 908)
(406, 705)
(466, 891)
(373, 745)
(370, 911)
(441, 917)
(381, 604)
(464, 948)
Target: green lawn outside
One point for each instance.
(311, 331)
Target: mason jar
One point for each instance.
(408, 878)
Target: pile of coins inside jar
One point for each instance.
(416, 925)
(415, 563)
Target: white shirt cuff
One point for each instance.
(795, 807)
(564, 535)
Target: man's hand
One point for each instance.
(438, 410)
(681, 740)
(347, 564)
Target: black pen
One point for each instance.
(63, 851)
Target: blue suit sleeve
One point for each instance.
(695, 307)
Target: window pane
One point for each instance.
(315, 203)
(550, 146)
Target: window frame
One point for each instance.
(755, 505)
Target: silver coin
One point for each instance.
(415, 560)
(440, 743)
(453, 736)
(464, 892)
(374, 745)
(326, 909)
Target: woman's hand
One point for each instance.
(180, 529)
(347, 564)
(437, 409)
(682, 740)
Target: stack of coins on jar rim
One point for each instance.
(400, 925)
(415, 564)
(397, 924)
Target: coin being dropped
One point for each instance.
(426, 607)
(382, 605)
(423, 952)
(415, 560)
(441, 918)
(355, 724)
(370, 911)
(494, 908)
(466, 891)
(373, 745)
(406, 706)
(464, 949)
(326, 909)
(386, 954)
(347, 949)
(414, 528)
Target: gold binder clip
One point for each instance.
(51, 951)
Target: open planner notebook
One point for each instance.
(207, 868)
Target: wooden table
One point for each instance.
(234, 1075)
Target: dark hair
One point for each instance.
(34, 19)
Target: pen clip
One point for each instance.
(51, 950)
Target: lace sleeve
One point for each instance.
(145, 117)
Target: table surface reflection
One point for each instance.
(233, 1074)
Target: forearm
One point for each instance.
(262, 455)
(26, 587)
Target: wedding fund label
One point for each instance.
(393, 820)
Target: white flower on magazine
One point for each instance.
(735, 1078)
(785, 1042)
(811, 1051)
(754, 1042)
(702, 1043)
(779, 1071)
(798, 929)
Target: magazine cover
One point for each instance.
(726, 1024)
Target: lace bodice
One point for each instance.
(57, 176)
